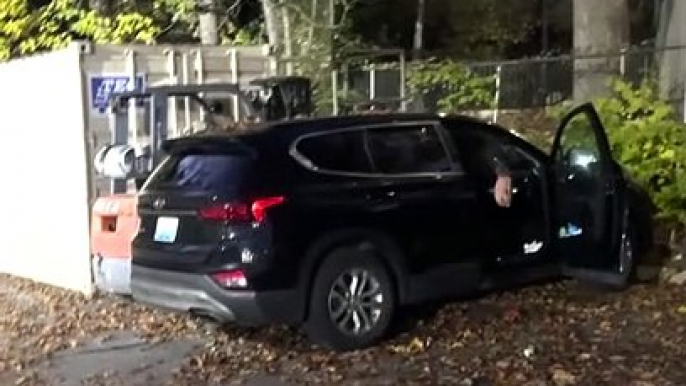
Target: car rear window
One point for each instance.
(216, 173)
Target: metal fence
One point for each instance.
(540, 82)
(517, 84)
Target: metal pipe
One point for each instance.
(172, 108)
(372, 82)
(131, 72)
(199, 75)
(403, 83)
(185, 75)
(496, 102)
(233, 57)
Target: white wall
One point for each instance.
(44, 208)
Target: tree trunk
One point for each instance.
(207, 21)
(272, 23)
(672, 33)
(419, 30)
(287, 40)
(104, 7)
(600, 28)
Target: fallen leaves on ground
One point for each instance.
(554, 334)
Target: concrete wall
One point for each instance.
(44, 203)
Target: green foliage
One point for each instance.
(648, 139)
(14, 18)
(24, 30)
(456, 86)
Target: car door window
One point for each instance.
(408, 150)
(579, 146)
(342, 152)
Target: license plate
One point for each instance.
(166, 229)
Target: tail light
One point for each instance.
(259, 207)
(230, 279)
(240, 212)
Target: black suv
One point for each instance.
(334, 223)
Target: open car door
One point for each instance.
(588, 206)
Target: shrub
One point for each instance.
(649, 140)
(453, 86)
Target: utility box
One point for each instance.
(55, 118)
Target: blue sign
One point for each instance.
(103, 86)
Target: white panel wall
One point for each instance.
(44, 206)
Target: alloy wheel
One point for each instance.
(355, 302)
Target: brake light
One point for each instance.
(238, 212)
(230, 279)
(260, 206)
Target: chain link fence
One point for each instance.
(382, 77)
(540, 82)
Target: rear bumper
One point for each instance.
(193, 292)
(112, 274)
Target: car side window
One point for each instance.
(479, 146)
(407, 150)
(337, 152)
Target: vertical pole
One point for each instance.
(372, 82)
(131, 72)
(622, 63)
(287, 39)
(158, 118)
(209, 35)
(185, 79)
(120, 136)
(403, 85)
(418, 43)
(545, 46)
(172, 108)
(233, 55)
(334, 72)
(199, 75)
(496, 102)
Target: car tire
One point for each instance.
(352, 301)
(629, 255)
(628, 259)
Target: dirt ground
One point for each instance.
(551, 334)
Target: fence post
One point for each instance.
(334, 90)
(403, 84)
(622, 62)
(372, 82)
(496, 101)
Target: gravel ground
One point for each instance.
(552, 334)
